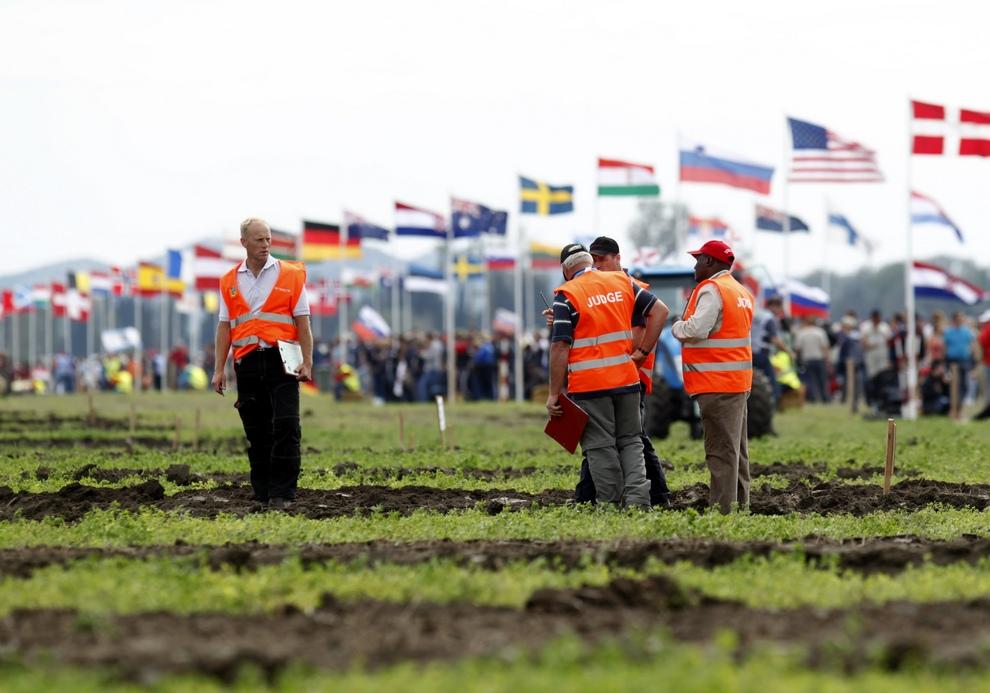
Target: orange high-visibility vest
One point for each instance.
(600, 356)
(274, 321)
(646, 368)
(723, 362)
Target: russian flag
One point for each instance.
(805, 300)
(930, 281)
(924, 210)
(370, 325)
(699, 164)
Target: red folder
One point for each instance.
(567, 428)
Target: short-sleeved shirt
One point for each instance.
(565, 319)
(959, 343)
(256, 290)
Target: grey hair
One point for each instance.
(576, 259)
(246, 224)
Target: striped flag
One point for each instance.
(769, 219)
(821, 156)
(208, 266)
(416, 221)
(625, 178)
(323, 242)
(933, 132)
(925, 210)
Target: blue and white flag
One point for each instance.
(359, 227)
(924, 210)
(931, 281)
(853, 237)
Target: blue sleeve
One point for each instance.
(564, 319)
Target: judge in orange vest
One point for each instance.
(264, 301)
(717, 361)
(593, 353)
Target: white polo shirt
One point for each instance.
(256, 290)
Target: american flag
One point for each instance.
(821, 156)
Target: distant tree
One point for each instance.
(661, 226)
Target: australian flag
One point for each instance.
(471, 219)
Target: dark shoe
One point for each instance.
(280, 504)
(664, 504)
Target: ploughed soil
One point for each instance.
(11, 421)
(883, 555)
(143, 647)
(75, 500)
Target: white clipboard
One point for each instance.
(292, 356)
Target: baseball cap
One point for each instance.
(571, 249)
(716, 249)
(603, 245)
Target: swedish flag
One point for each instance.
(536, 197)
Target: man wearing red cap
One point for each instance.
(717, 359)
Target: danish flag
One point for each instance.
(938, 130)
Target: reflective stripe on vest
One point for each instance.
(603, 339)
(717, 343)
(722, 362)
(244, 342)
(598, 363)
(599, 358)
(270, 317)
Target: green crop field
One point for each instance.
(132, 557)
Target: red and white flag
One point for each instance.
(208, 266)
(937, 130)
(58, 299)
(77, 305)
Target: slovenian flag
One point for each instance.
(924, 210)
(930, 281)
(414, 221)
(700, 164)
(625, 178)
(370, 325)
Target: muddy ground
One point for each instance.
(337, 635)
(75, 500)
(883, 555)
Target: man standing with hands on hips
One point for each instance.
(592, 353)
(263, 302)
(718, 369)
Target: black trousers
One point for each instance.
(268, 402)
(585, 491)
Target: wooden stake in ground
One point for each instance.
(196, 422)
(888, 469)
(954, 391)
(178, 429)
(402, 431)
(131, 424)
(91, 416)
(442, 422)
(851, 385)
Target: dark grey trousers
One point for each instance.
(614, 448)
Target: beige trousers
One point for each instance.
(723, 416)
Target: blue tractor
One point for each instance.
(669, 403)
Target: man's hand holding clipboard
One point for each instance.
(566, 425)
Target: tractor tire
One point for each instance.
(661, 410)
(760, 406)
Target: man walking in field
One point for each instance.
(718, 369)
(264, 301)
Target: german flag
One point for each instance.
(323, 242)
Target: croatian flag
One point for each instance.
(805, 300)
(414, 221)
(966, 132)
(700, 164)
(924, 210)
(370, 325)
(930, 281)
(701, 228)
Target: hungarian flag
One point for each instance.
(324, 242)
(208, 267)
(285, 245)
(625, 178)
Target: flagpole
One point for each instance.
(139, 352)
(15, 334)
(787, 227)
(517, 287)
(90, 319)
(486, 304)
(910, 410)
(341, 303)
(49, 337)
(449, 313)
(163, 328)
(32, 336)
(396, 308)
(826, 274)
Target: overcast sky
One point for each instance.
(131, 126)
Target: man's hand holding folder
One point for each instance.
(567, 426)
